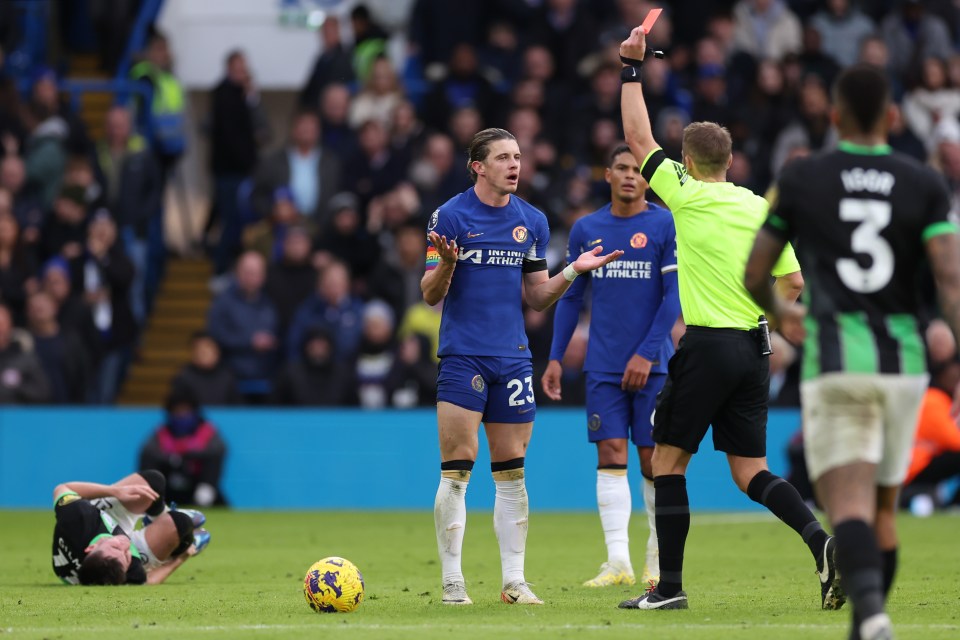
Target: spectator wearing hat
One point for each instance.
(292, 277)
(347, 239)
(188, 450)
(309, 170)
(331, 307)
(233, 151)
(22, 379)
(315, 379)
(60, 352)
(243, 321)
(64, 233)
(206, 374)
(389, 373)
(104, 274)
(133, 189)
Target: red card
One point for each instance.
(650, 19)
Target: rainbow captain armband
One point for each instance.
(433, 258)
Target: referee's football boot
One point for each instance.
(519, 593)
(612, 574)
(653, 599)
(455, 593)
(832, 596)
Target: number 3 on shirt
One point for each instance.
(515, 400)
(873, 216)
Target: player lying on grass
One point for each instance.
(95, 541)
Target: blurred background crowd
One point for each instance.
(315, 237)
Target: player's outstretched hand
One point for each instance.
(446, 250)
(131, 492)
(551, 380)
(636, 373)
(590, 260)
(636, 45)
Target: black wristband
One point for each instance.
(631, 74)
(633, 62)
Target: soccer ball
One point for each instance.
(333, 585)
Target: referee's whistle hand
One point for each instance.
(551, 380)
(789, 322)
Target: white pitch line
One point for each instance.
(446, 623)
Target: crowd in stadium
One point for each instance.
(321, 241)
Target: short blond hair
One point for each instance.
(709, 145)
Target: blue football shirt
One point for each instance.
(626, 294)
(483, 313)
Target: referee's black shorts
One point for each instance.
(718, 377)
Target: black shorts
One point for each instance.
(718, 377)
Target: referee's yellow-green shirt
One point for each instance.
(716, 225)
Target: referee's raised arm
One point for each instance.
(636, 120)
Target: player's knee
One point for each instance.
(507, 470)
(611, 452)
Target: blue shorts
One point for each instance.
(499, 388)
(613, 413)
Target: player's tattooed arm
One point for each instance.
(436, 282)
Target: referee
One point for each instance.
(720, 374)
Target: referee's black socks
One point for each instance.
(782, 499)
(673, 523)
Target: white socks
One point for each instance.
(450, 519)
(653, 547)
(613, 501)
(510, 511)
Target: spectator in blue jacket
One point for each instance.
(243, 321)
(333, 308)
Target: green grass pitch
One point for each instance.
(748, 576)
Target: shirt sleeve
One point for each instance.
(668, 253)
(781, 217)
(442, 221)
(938, 220)
(536, 258)
(668, 179)
(787, 263)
